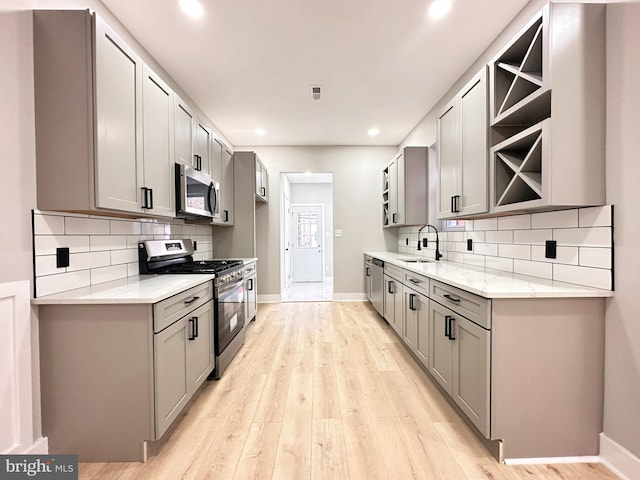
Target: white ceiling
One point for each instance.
(251, 63)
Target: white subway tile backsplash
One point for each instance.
(532, 237)
(515, 251)
(534, 269)
(469, 225)
(133, 269)
(125, 227)
(590, 277)
(106, 274)
(124, 256)
(86, 261)
(456, 236)
(455, 257)
(86, 226)
(51, 284)
(47, 244)
(108, 242)
(476, 236)
(499, 263)
(567, 255)
(485, 224)
(516, 222)
(595, 257)
(583, 237)
(149, 228)
(46, 265)
(499, 236)
(48, 224)
(475, 260)
(132, 240)
(595, 216)
(485, 249)
(559, 219)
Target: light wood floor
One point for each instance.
(325, 391)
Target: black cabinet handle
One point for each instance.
(250, 286)
(195, 330)
(394, 217)
(390, 285)
(411, 304)
(189, 302)
(263, 191)
(451, 320)
(145, 200)
(150, 203)
(368, 272)
(447, 333)
(455, 204)
(226, 215)
(451, 299)
(191, 328)
(414, 280)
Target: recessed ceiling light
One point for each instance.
(259, 131)
(373, 132)
(193, 8)
(439, 8)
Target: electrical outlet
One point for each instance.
(62, 257)
(550, 249)
(470, 244)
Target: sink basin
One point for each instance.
(422, 260)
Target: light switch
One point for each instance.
(338, 233)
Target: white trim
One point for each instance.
(269, 298)
(618, 459)
(39, 447)
(349, 297)
(551, 460)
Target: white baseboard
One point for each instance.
(551, 460)
(270, 298)
(618, 459)
(349, 297)
(39, 447)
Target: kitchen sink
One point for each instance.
(421, 260)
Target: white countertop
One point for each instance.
(138, 289)
(490, 283)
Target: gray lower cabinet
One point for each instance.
(115, 376)
(368, 278)
(459, 361)
(415, 331)
(393, 295)
(251, 290)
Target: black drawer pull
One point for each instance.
(189, 302)
(415, 280)
(390, 286)
(195, 330)
(192, 328)
(451, 299)
(451, 320)
(446, 326)
(411, 298)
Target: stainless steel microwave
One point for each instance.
(197, 195)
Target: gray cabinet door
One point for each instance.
(202, 146)
(251, 289)
(394, 179)
(184, 133)
(415, 332)
(393, 303)
(441, 347)
(368, 280)
(200, 354)
(262, 180)
(171, 383)
(471, 372)
(473, 106)
(118, 102)
(226, 187)
(449, 159)
(216, 159)
(158, 148)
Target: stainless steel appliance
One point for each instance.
(377, 285)
(176, 257)
(196, 193)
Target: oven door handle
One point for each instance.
(231, 286)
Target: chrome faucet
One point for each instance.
(438, 254)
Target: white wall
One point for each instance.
(320, 194)
(357, 197)
(622, 335)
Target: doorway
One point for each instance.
(307, 239)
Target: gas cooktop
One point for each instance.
(176, 256)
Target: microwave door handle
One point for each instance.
(209, 197)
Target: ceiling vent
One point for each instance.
(315, 93)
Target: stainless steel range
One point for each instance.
(176, 257)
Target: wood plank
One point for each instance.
(328, 454)
(399, 456)
(363, 452)
(258, 456)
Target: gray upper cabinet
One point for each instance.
(202, 147)
(185, 120)
(262, 181)
(226, 183)
(217, 148)
(158, 147)
(462, 133)
(91, 94)
(550, 79)
(405, 189)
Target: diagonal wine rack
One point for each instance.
(518, 168)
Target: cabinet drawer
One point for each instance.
(418, 282)
(475, 308)
(249, 269)
(393, 271)
(173, 308)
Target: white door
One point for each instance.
(287, 241)
(307, 237)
